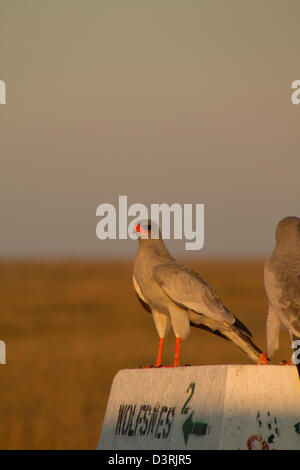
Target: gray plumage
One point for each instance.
(282, 283)
(176, 295)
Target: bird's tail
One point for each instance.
(242, 340)
(238, 333)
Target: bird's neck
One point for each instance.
(288, 253)
(153, 250)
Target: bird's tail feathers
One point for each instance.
(241, 326)
(243, 341)
(236, 332)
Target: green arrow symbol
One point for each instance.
(198, 428)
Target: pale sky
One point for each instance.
(162, 101)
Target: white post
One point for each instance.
(205, 407)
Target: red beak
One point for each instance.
(138, 228)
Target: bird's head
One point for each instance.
(288, 231)
(148, 230)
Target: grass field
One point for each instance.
(70, 326)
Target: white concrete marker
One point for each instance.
(204, 407)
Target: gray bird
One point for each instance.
(176, 295)
(282, 283)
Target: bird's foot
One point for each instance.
(286, 363)
(161, 366)
(263, 359)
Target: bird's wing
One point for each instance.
(186, 288)
(140, 295)
(283, 289)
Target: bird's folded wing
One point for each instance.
(284, 294)
(290, 309)
(186, 288)
(140, 295)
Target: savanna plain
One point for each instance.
(69, 326)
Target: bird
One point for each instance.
(282, 285)
(177, 296)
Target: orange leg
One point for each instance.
(159, 354)
(177, 349)
(263, 359)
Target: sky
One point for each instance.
(163, 101)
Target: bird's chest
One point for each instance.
(152, 293)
